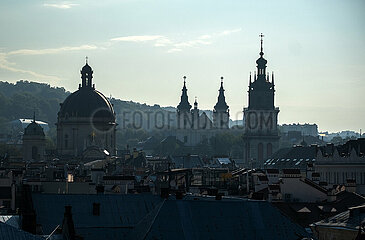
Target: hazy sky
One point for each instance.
(141, 49)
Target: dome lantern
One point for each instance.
(86, 76)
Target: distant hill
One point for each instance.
(21, 99)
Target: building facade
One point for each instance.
(261, 137)
(193, 127)
(86, 122)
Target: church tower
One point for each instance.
(34, 142)
(86, 126)
(195, 116)
(184, 120)
(261, 116)
(221, 111)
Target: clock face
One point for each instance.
(261, 121)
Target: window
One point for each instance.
(260, 152)
(66, 141)
(269, 150)
(34, 153)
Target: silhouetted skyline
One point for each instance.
(140, 50)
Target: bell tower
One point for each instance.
(221, 111)
(183, 109)
(87, 76)
(261, 116)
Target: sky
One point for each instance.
(141, 49)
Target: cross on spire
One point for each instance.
(86, 58)
(261, 36)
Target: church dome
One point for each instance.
(34, 129)
(87, 103)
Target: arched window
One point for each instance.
(269, 150)
(66, 141)
(260, 152)
(34, 153)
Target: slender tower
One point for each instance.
(221, 111)
(261, 116)
(183, 109)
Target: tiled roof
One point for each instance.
(192, 161)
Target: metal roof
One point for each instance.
(9, 232)
(224, 219)
(146, 216)
(118, 213)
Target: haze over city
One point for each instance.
(140, 50)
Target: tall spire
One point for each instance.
(262, 41)
(196, 103)
(184, 101)
(261, 62)
(221, 104)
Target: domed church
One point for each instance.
(86, 122)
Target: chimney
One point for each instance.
(179, 195)
(68, 227)
(99, 189)
(165, 192)
(218, 196)
(28, 215)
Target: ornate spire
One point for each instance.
(262, 41)
(221, 104)
(196, 104)
(184, 101)
(261, 62)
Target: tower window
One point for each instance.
(66, 141)
(34, 153)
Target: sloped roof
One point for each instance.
(191, 161)
(224, 219)
(146, 216)
(12, 220)
(350, 219)
(118, 213)
(10, 232)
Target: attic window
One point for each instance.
(96, 209)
